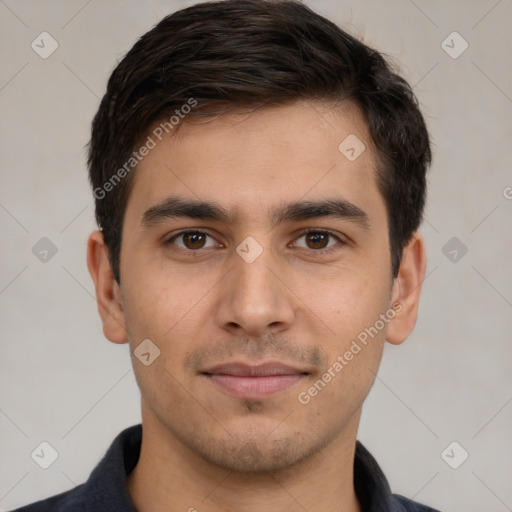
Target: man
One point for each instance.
(259, 178)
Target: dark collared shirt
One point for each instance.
(106, 490)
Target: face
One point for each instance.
(254, 255)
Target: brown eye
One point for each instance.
(316, 240)
(192, 240)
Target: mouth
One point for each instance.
(253, 382)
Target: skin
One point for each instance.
(201, 306)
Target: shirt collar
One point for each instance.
(107, 484)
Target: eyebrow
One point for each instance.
(174, 206)
(178, 207)
(304, 210)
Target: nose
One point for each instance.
(254, 300)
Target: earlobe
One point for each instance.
(406, 290)
(108, 294)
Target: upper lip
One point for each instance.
(258, 370)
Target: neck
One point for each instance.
(172, 478)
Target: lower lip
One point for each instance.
(254, 387)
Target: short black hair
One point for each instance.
(229, 54)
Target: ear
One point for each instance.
(406, 290)
(108, 294)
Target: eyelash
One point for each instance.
(303, 233)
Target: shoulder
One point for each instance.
(404, 504)
(64, 502)
(105, 488)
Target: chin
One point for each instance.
(260, 448)
(252, 456)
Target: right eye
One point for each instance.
(192, 240)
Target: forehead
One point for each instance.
(249, 161)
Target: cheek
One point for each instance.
(346, 303)
(154, 305)
(173, 311)
(354, 349)
(347, 309)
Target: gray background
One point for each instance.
(62, 382)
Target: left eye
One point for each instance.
(192, 240)
(318, 240)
